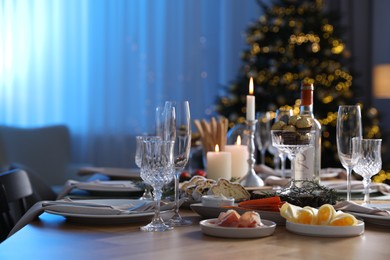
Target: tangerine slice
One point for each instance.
(307, 215)
(343, 219)
(325, 214)
(290, 212)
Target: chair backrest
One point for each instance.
(46, 150)
(15, 188)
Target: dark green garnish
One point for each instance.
(303, 193)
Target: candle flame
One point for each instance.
(216, 148)
(251, 86)
(238, 142)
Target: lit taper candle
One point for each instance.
(250, 103)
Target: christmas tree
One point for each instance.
(294, 42)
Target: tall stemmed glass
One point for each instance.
(160, 121)
(262, 134)
(369, 162)
(292, 143)
(283, 115)
(178, 128)
(157, 169)
(139, 151)
(348, 127)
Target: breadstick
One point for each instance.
(198, 126)
(207, 135)
(213, 128)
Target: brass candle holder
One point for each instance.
(251, 179)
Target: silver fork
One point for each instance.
(140, 208)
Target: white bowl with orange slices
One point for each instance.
(324, 221)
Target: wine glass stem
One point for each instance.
(263, 156)
(349, 172)
(177, 193)
(157, 199)
(276, 161)
(292, 158)
(283, 165)
(366, 184)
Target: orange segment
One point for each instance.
(325, 214)
(290, 212)
(343, 219)
(307, 215)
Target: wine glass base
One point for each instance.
(177, 221)
(156, 227)
(146, 197)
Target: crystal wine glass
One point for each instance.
(292, 143)
(262, 134)
(275, 153)
(283, 115)
(369, 162)
(157, 169)
(160, 121)
(348, 126)
(139, 151)
(177, 127)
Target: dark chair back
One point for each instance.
(46, 150)
(15, 187)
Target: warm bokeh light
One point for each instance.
(381, 81)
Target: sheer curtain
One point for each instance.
(102, 66)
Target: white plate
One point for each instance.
(374, 219)
(213, 212)
(328, 175)
(108, 219)
(326, 231)
(209, 228)
(111, 186)
(120, 173)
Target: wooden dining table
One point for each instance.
(54, 237)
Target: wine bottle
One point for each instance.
(308, 163)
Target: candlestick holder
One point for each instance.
(251, 179)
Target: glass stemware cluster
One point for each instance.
(163, 157)
(355, 153)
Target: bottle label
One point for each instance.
(304, 165)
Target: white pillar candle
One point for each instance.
(219, 164)
(250, 102)
(240, 156)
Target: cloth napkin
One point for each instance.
(72, 184)
(265, 170)
(100, 207)
(351, 206)
(326, 173)
(342, 185)
(276, 181)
